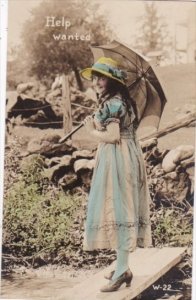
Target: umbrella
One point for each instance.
(142, 81)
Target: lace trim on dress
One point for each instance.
(119, 226)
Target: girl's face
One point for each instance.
(100, 83)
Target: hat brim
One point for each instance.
(87, 74)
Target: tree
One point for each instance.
(52, 37)
(152, 33)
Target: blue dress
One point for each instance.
(118, 203)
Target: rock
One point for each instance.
(61, 161)
(174, 156)
(82, 164)
(149, 144)
(84, 169)
(58, 170)
(154, 157)
(37, 144)
(187, 163)
(48, 147)
(68, 181)
(191, 172)
(82, 154)
(86, 177)
(185, 151)
(25, 87)
(171, 175)
(157, 170)
(168, 164)
(53, 161)
(173, 187)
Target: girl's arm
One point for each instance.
(111, 135)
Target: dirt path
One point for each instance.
(43, 283)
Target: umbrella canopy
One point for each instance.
(142, 82)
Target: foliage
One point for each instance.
(152, 34)
(172, 226)
(37, 216)
(47, 55)
(17, 68)
(41, 223)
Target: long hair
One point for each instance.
(113, 87)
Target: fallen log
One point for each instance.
(172, 127)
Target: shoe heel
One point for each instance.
(128, 283)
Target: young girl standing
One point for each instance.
(118, 204)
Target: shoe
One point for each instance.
(109, 276)
(114, 285)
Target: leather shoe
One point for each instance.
(114, 285)
(109, 276)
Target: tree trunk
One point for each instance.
(67, 117)
(78, 79)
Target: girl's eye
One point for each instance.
(94, 77)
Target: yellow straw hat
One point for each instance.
(106, 66)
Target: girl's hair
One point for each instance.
(114, 87)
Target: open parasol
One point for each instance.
(142, 81)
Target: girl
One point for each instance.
(118, 205)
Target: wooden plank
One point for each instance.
(147, 265)
(67, 118)
(177, 297)
(173, 297)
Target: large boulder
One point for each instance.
(174, 156)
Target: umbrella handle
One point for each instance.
(63, 139)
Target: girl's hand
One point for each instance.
(89, 124)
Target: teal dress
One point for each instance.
(118, 203)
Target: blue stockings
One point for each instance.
(122, 263)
